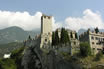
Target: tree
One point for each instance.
(96, 30)
(76, 36)
(56, 38)
(53, 38)
(85, 49)
(29, 37)
(64, 36)
(71, 35)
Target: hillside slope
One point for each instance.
(14, 34)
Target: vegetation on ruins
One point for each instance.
(85, 49)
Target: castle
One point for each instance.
(95, 39)
(46, 35)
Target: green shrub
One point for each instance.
(99, 55)
(17, 53)
(85, 49)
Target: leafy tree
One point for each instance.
(85, 49)
(64, 36)
(96, 30)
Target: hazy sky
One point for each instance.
(65, 12)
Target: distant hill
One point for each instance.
(81, 31)
(15, 34)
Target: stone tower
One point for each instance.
(46, 31)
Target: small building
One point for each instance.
(96, 40)
(7, 55)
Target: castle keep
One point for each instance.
(46, 31)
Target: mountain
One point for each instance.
(81, 31)
(15, 34)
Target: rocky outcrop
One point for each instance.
(35, 58)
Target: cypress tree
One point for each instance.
(71, 35)
(76, 36)
(64, 36)
(53, 38)
(56, 38)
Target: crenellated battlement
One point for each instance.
(46, 17)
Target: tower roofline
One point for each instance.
(46, 15)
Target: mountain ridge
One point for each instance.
(15, 34)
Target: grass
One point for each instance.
(85, 62)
